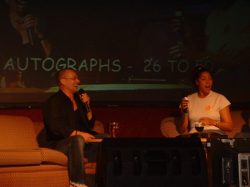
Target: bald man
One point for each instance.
(68, 123)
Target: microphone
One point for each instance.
(87, 107)
(30, 36)
(26, 14)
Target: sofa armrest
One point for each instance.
(20, 157)
(51, 156)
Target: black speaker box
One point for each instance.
(151, 162)
(223, 158)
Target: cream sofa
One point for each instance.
(22, 162)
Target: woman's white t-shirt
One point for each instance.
(208, 106)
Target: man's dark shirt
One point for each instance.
(245, 128)
(61, 120)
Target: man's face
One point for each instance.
(70, 81)
(18, 7)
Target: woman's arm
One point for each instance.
(225, 123)
(182, 124)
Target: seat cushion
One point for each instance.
(20, 157)
(34, 176)
(50, 156)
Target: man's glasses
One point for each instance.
(71, 78)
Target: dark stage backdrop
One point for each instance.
(125, 52)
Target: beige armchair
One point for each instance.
(168, 127)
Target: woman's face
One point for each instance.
(204, 83)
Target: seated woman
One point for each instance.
(205, 107)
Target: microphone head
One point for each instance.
(81, 91)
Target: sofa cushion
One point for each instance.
(34, 176)
(20, 157)
(17, 133)
(50, 156)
